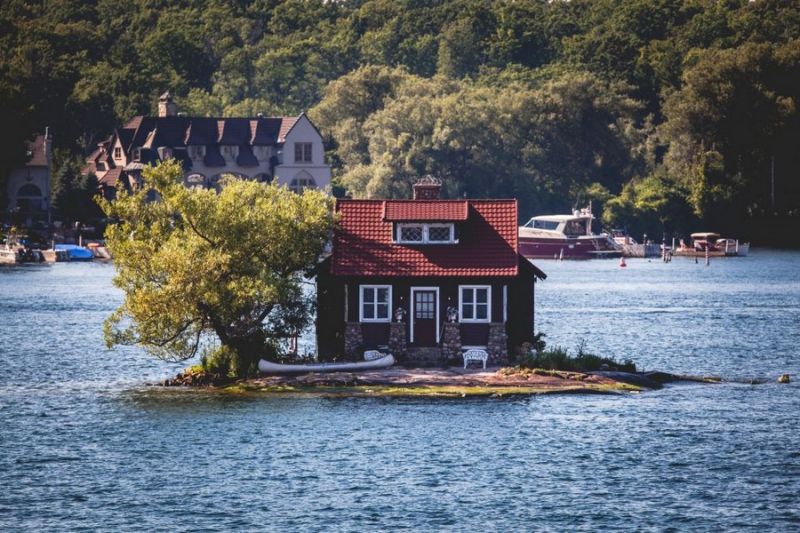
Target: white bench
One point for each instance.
(371, 355)
(476, 354)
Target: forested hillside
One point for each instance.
(670, 115)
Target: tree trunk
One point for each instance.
(246, 351)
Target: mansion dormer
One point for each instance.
(288, 150)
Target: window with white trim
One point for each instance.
(117, 152)
(475, 303)
(426, 234)
(375, 303)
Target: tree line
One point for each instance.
(668, 115)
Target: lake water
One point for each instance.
(85, 445)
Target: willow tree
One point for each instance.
(218, 274)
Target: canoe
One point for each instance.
(268, 367)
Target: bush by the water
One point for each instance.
(558, 358)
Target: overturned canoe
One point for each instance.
(268, 367)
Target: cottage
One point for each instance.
(425, 278)
(287, 150)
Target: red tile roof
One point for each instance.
(422, 210)
(363, 244)
(286, 124)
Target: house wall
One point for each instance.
(288, 169)
(211, 174)
(34, 175)
(338, 302)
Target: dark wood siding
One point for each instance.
(331, 312)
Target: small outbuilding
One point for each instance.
(425, 279)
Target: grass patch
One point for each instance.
(437, 391)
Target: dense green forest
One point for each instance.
(670, 115)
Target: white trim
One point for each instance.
(505, 303)
(361, 304)
(488, 318)
(466, 347)
(411, 311)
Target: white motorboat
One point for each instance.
(565, 237)
(268, 367)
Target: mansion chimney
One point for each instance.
(427, 188)
(166, 107)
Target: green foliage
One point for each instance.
(200, 268)
(73, 193)
(558, 358)
(551, 102)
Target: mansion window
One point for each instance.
(298, 185)
(197, 152)
(302, 152)
(425, 233)
(375, 301)
(474, 303)
(117, 152)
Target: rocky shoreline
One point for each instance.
(447, 382)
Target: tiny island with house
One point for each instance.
(428, 296)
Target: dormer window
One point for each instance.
(197, 152)
(117, 152)
(428, 233)
(137, 154)
(230, 151)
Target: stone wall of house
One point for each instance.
(451, 343)
(353, 339)
(398, 346)
(498, 344)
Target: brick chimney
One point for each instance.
(166, 107)
(427, 188)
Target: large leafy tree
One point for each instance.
(202, 268)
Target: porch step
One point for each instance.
(424, 356)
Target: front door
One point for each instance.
(424, 316)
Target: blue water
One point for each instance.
(85, 445)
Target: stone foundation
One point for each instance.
(498, 344)
(451, 343)
(353, 339)
(398, 346)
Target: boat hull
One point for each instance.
(590, 247)
(268, 367)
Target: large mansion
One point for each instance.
(288, 150)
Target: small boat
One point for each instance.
(268, 367)
(565, 237)
(712, 244)
(75, 252)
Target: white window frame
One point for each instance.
(375, 302)
(117, 152)
(425, 227)
(473, 320)
(411, 310)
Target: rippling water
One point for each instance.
(84, 445)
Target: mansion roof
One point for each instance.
(178, 131)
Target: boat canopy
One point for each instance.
(705, 235)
